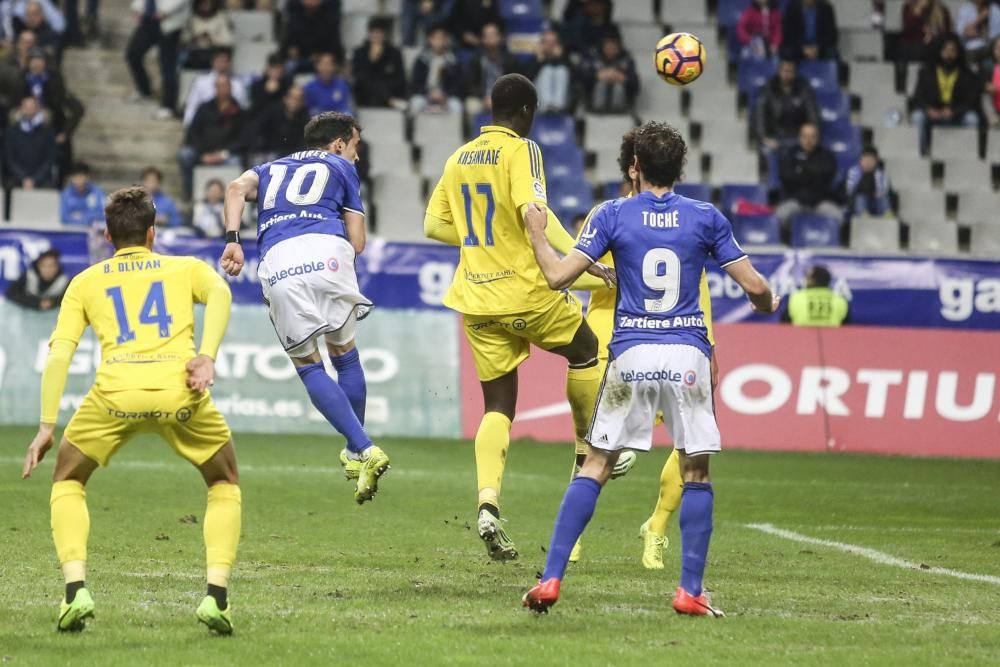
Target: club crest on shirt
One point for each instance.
(540, 190)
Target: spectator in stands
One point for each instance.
(269, 89)
(30, 148)
(947, 92)
(923, 22)
(216, 134)
(468, 19)
(978, 23)
(759, 29)
(11, 85)
(809, 30)
(34, 18)
(280, 128)
(817, 305)
(15, 15)
(203, 88)
(208, 212)
(64, 109)
(419, 15)
(313, 26)
(159, 24)
(553, 75)
(807, 172)
(379, 76)
(81, 201)
(610, 78)
(436, 81)
(167, 214)
(585, 22)
(42, 285)
(783, 105)
(490, 62)
(867, 186)
(77, 31)
(990, 75)
(207, 31)
(328, 91)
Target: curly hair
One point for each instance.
(626, 154)
(661, 153)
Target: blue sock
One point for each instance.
(574, 514)
(351, 378)
(696, 531)
(332, 403)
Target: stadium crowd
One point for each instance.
(799, 89)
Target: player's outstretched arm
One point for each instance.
(53, 383)
(754, 284)
(240, 191)
(559, 272)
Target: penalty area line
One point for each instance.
(871, 554)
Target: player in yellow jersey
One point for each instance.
(505, 301)
(600, 316)
(141, 306)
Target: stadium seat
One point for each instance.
(382, 126)
(522, 16)
(570, 198)
(723, 136)
(606, 169)
(866, 76)
(35, 209)
(553, 129)
(443, 128)
(410, 55)
(481, 119)
(638, 12)
(870, 234)
(563, 162)
(659, 101)
(389, 158)
(730, 193)
(712, 103)
(186, 80)
(353, 30)
(907, 173)
(993, 146)
(752, 73)
(605, 132)
(883, 108)
(205, 173)
(893, 13)
(860, 44)
(683, 14)
(834, 106)
(728, 13)
(934, 238)
(854, 15)
(979, 206)
(968, 174)
(954, 142)
(897, 141)
(432, 159)
(364, 7)
(985, 241)
(815, 231)
(699, 191)
(757, 229)
(822, 74)
(734, 167)
(249, 58)
(693, 167)
(921, 206)
(252, 26)
(399, 207)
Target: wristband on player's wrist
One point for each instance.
(232, 237)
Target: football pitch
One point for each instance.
(816, 559)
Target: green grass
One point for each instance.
(405, 580)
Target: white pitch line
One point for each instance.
(871, 554)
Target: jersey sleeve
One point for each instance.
(437, 205)
(352, 191)
(527, 175)
(722, 243)
(705, 302)
(595, 237)
(72, 318)
(209, 288)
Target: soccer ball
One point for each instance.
(679, 58)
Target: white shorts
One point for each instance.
(646, 379)
(311, 290)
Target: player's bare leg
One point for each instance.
(492, 443)
(575, 513)
(70, 531)
(696, 532)
(223, 519)
(333, 403)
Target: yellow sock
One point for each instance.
(671, 487)
(492, 442)
(70, 527)
(582, 385)
(222, 531)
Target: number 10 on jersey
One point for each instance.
(486, 190)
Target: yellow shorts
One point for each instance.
(187, 420)
(501, 342)
(602, 323)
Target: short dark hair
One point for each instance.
(323, 54)
(129, 213)
(821, 275)
(660, 151)
(329, 126)
(626, 154)
(79, 168)
(151, 171)
(275, 59)
(870, 150)
(510, 94)
(382, 23)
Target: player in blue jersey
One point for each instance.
(310, 228)
(659, 351)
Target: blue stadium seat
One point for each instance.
(834, 105)
(563, 162)
(699, 191)
(822, 74)
(552, 129)
(815, 231)
(570, 198)
(728, 13)
(844, 140)
(522, 16)
(611, 190)
(731, 192)
(773, 173)
(757, 229)
(752, 73)
(479, 120)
